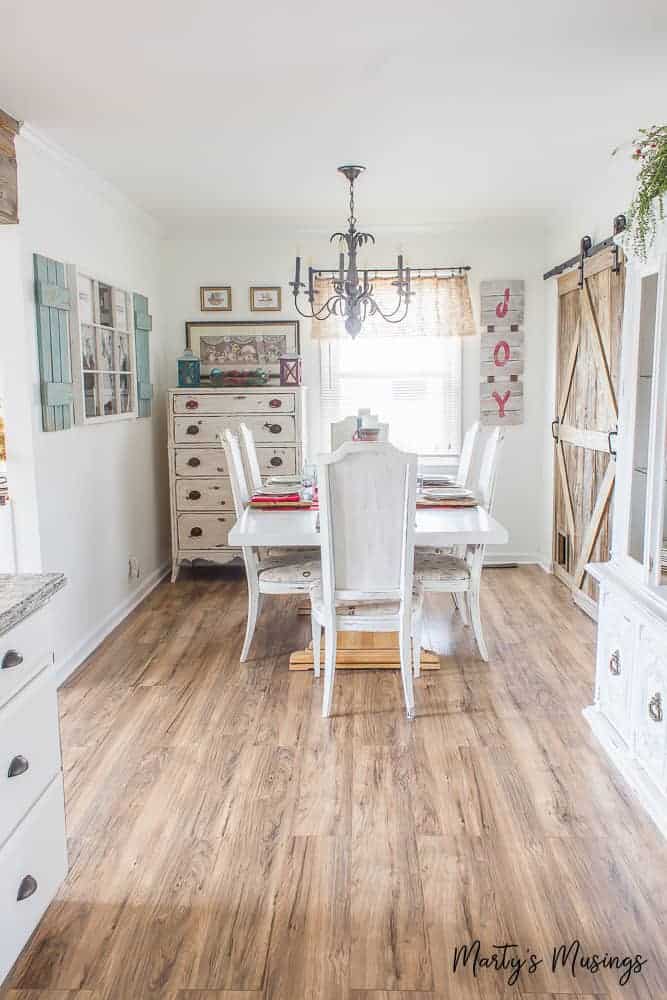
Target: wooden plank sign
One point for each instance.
(501, 353)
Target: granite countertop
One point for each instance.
(23, 593)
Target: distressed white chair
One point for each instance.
(345, 429)
(256, 486)
(466, 466)
(251, 459)
(289, 573)
(461, 576)
(367, 521)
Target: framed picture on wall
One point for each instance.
(251, 344)
(265, 299)
(215, 298)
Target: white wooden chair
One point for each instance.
(367, 520)
(461, 575)
(345, 429)
(256, 486)
(288, 573)
(251, 459)
(468, 454)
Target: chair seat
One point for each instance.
(440, 568)
(292, 567)
(362, 609)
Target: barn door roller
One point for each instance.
(586, 250)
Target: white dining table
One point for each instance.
(435, 527)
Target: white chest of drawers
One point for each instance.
(202, 508)
(33, 847)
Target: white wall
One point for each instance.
(494, 250)
(591, 213)
(101, 490)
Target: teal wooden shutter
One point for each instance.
(52, 300)
(143, 324)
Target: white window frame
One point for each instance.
(427, 463)
(76, 276)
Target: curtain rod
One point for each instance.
(378, 270)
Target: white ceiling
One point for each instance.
(202, 110)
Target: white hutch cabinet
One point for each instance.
(629, 715)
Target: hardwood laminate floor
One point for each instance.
(227, 843)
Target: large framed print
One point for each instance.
(232, 346)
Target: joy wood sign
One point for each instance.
(501, 364)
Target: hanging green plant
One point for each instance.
(647, 207)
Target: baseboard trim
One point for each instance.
(94, 638)
(506, 558)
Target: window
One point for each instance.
(411, 382)
(107, 359)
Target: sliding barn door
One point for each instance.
(589, 341)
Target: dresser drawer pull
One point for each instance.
(194, 495)
(273, 428)
(192, 429)
(27, 888)
(615, 663)
(239, 397)
(196, 532)
(276, 462)
(194, 462)
(19, 765)
(192, 404)
(275, 404)
(655, 707)
(12, 658)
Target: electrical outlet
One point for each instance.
(135, 570)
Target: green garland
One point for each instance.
(647, 206)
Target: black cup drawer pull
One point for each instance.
(194, 462)
(273, 428)
(27, 888)
(194, 495)
(196, 532)
(276, 462)
(19, 765)
(12, 658)
(192, 429)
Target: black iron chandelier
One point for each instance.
(352, 297)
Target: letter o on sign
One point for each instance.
(501, 354)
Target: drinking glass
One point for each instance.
(308, 480)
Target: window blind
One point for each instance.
(411, 382)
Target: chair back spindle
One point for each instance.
(468, 451)
(251, 459)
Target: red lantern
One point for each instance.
(290, 369)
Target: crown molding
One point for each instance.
(92, 180)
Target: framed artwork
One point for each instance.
(230, 346)
(265, 299)
(215, 298)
